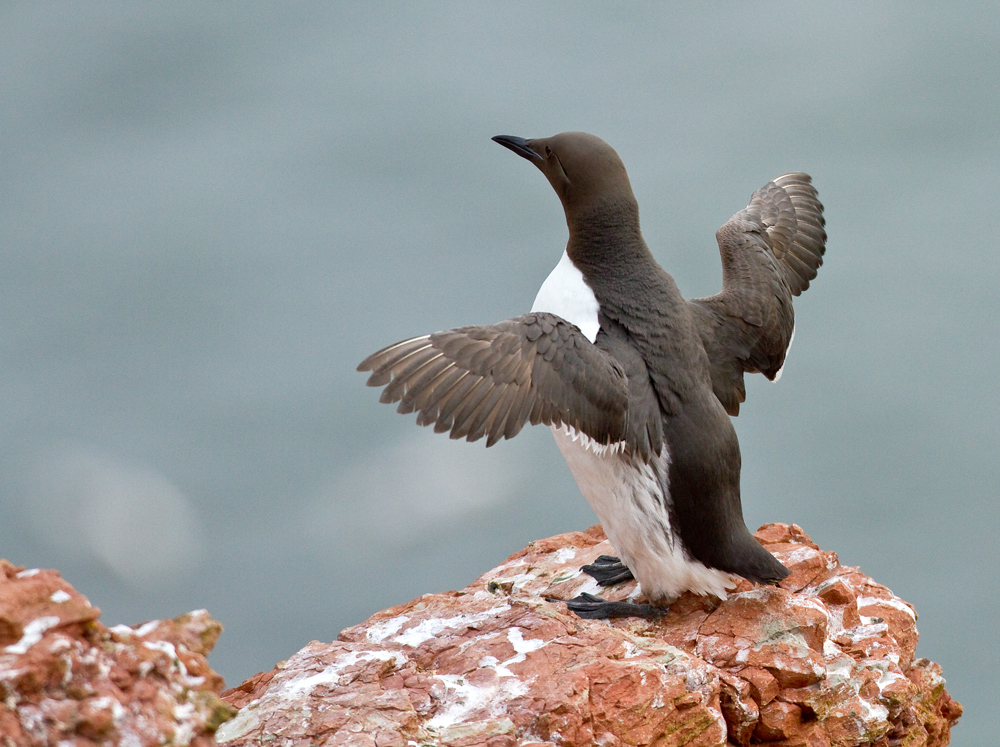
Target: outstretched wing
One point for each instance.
(770, 251)
(491, 380)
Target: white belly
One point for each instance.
(629, 498)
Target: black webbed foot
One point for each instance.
(591, 607)
(608, 570)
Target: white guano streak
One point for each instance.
(32, 634)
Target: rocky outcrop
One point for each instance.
(67, 679)
(825, 659)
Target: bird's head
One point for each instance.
(585, 171)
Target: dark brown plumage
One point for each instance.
(491, 380)
(770, 251)
(635, 381)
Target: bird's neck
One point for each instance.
(606, 235)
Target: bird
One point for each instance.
(637, 384)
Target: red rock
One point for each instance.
(763, 687)
(26, 600)
(824, 660)
(738, 707)
(768, 628)
(810, 734)
(65, 678)
(778, 720)
(835, 591)
(783, 534)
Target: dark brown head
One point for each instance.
(584, 171)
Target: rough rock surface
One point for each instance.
(67, 679)
(826, 659)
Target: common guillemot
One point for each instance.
(636, 383)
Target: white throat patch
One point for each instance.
(566, 294)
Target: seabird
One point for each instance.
(636, 383)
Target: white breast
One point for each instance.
(567, 294)
(631, 499)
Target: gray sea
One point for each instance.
(211, 212)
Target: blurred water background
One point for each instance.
(210, 212)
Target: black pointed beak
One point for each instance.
(519, 145)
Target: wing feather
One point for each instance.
(488, 381)
(770, 251)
